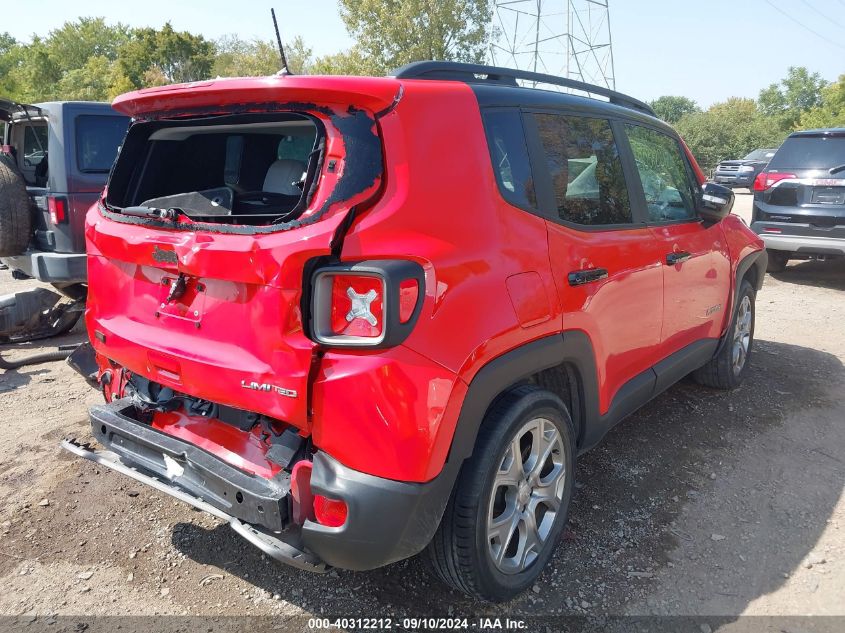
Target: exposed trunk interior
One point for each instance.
(240, 169)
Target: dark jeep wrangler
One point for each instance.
(55, 161)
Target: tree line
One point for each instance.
(90, 59)
(733, 128)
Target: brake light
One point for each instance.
(368, 304)
(58, 209)
(330, 512)
(765, 180)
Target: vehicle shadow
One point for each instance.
(628, 528)
(820, 274)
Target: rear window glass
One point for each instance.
(810, 152)
(506, 140)
(585, 169)
(97, 141)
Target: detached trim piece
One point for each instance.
(270, 545)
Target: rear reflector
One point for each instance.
(409, 292)
(58, 209)
(770, 230)
(330, 512)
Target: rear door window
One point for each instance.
(98, 138)
(663, 172)
(586, 173)
(508, 151)
(809, 152)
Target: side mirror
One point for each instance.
(716, 202)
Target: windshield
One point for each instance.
(761, 154)
(810, 152)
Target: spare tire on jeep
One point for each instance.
(15, 217)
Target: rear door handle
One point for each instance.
(586, 276)
(677, 258)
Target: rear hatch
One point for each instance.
(223, 197)
(804, 184)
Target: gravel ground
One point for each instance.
(703, 503)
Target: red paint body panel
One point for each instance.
(624, 345)
(250, 326)
(442, 208)
(244, 450)
(695, 292)
(741, 242)
(382, 412)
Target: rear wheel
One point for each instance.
(777, 261)
(511, 499)
(727, 369)
(15, 218)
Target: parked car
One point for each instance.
(741, 173)
(54, 163)
(362, 317)
(799, 199)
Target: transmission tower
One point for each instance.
(569, 38)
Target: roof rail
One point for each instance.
(479, 73)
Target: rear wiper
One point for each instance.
(150, 212)
(836, 170)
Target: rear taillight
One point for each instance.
(58, 209)
(369, 304)
(330, 512)
(357, 306)
(765, 180)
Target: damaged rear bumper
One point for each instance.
(269, 544)
(386, 521)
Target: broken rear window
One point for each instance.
(253, 170)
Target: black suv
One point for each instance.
(799, 199)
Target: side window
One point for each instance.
(663, 173)
(585, 169)
(98, 138)
(509, 154)
(34, 145)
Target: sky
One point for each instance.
(707, 50)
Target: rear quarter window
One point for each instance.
(509, 154)
(98, 138)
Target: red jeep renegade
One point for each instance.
(361, 317)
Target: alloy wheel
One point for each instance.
(742, 335)
(526, 497)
